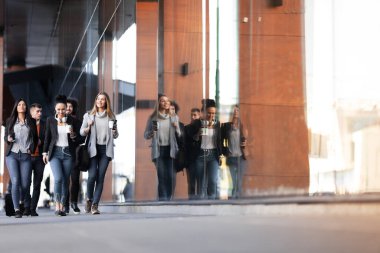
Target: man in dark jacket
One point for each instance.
(38, 166)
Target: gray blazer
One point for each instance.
(174, 132)
(92, 141)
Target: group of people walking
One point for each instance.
(32, 143)
(203, 142)
(198, 146)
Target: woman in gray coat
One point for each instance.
(163, 129)
(100, 124)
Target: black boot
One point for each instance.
(75, 208)
(27, 211)
(22, 208)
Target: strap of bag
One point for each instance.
(89, 133)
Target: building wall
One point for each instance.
(271, 88)
(272, 95)
(146, 90)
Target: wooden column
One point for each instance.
(3, 177)
(146, 95)
(272, 96)
(183, 33)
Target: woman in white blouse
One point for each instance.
(59, 149)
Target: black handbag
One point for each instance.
(82, 158)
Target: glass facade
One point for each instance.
(286, 94)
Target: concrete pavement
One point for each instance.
(162, 230)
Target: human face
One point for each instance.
(69, 108)
(101, 101)
(60, 109)
(21, 107)
(210, 113)
(164, 103)
(36, 113)
(172, 109)
(236, 112)
(195, 115)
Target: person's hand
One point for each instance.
(72, 134)
(243, 142)
(115, 133)
(45, 158)
(154, 126)
(10, 139)
(90, 122)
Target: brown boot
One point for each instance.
(94, 209)
(87, 208)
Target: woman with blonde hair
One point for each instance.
(100, 125)
(162, 128)
(234, 142)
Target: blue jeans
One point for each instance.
(61, 164)
(236, 167)
(96, 173)
(20, 168)
(165, 174)
(207, 173)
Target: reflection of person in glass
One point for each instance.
(190, 147)
(206, 132)
(59, 148)
(100, 122)
(162, 128)
(21, 137)
(234, 143)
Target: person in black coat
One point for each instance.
(191, 156)
(21, 137)
(73, 193)
(38, 165)
(205, 133)
(59, 150)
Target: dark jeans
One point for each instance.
(38, 167)
(236, 167)
(190, 174)
(207, 173)
(96, 173)
(73, 194)
(20, 168)
(165, 174)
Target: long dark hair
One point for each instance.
(13, 118)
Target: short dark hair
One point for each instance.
(35, 105)
(195, 109)
(74, 103)
(176, 106)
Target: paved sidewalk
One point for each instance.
(173, 233)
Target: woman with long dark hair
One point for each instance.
(59, 149)
(100, 123)
(162, 127)
(21, 137)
